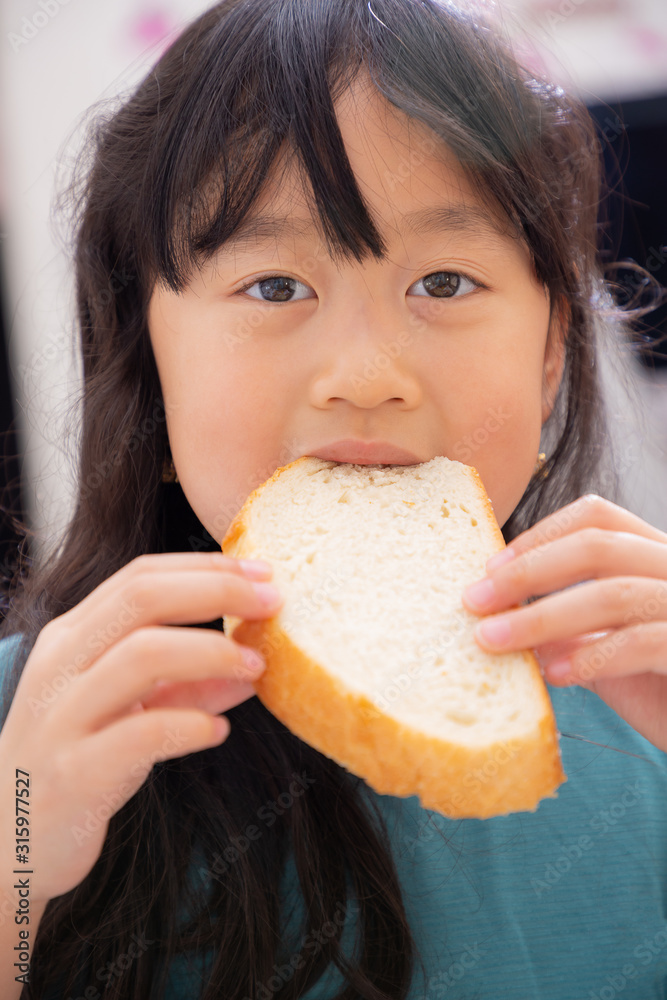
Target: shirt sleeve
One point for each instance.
(8, 648)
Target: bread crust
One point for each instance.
(392, 757)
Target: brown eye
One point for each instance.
(445, 284)
(274, 288)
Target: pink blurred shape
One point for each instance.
(153, 29)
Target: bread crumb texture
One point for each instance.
(372, 659)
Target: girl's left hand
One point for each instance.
(609, 634)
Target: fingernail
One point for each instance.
(496, 632)
(252, 659)
(268, 594)
(220, 728)
(559, 670)
(255, 569)
(500, 558)
(481, 594)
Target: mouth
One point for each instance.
(365, 453)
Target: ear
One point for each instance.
(554, 355)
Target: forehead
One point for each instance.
(410, 180)
(404, 177)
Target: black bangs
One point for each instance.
(235, 116)
(266, 86)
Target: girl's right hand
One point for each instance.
(87, 721)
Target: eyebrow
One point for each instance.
(444, 219)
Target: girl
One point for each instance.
(321, 221)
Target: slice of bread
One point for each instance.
(372, 658)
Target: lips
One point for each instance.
(365, 453)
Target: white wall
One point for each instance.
(605, 50)
(58, 57)
(56, 60)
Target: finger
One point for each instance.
(118, 759)
(131, 668)
(588, 511)
(591, 553)
(153, 595)
(550, 652)
(213, 696)
(597, 604)
(635, 650)
(141, 594)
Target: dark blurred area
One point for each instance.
(634, 137)
(12, 499)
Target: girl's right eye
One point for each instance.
(278, 286)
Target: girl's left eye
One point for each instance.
(442, 285)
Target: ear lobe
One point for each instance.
(554, 355)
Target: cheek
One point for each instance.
(506, 464)
(497, 429)
(224, 445)
(215, 394)
(220, 430)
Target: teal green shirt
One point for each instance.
(566, 903)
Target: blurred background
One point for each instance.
(58, 58)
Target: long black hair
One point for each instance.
(164, 180)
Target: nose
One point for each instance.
(366, 362)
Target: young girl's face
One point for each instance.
(253, 379)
